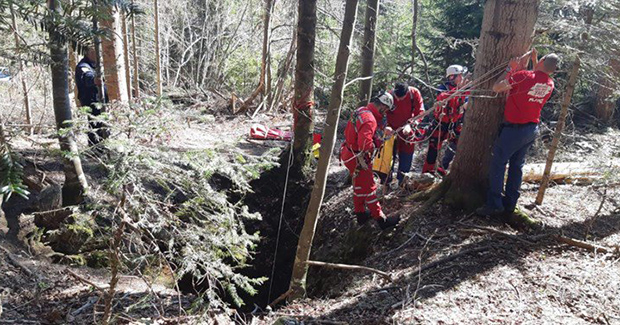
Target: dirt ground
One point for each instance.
(447, 267)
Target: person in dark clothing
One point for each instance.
(88, 94)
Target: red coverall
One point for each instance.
(360, 139)
(407, 107)
(447, 125)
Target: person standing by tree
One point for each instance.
(88, 93)
(448, 120)
(408, 103)
(361, 140)
(528, 91)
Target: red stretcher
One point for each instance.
(261, 132)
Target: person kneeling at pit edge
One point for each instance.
(357, 152)
(528, 91)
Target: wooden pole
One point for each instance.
(22, 74)
(157, 50)
(300, 267)
(568, 93)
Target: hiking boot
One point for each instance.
(362, 217)
(487, 211)
(387, 222)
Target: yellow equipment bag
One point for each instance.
(383, 161)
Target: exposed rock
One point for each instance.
(50, 198)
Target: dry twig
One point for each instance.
(351, 267)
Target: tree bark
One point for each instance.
(507, 30)
(414, 45)
(113, 61)
(300, 268)
(157, 50)
(22, 74)
(568, 94)
(75, 181)
(368, 50)
(136, 75)
(303, 102)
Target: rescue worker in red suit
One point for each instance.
(361, 140)
(408, 103)
(448, 121)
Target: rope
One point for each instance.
(275, 254)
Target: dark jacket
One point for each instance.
(85, 81)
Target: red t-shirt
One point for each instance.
(529, 93)
(407, 107)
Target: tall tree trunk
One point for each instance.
(126, 55)
(368, 50)
(113, 62)
(22, 74)
(501, 38)
(136, 76)
(414, 36)
(75, 181)
(300, 268)
(157, 50)
(303, 102)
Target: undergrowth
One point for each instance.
(183, 208)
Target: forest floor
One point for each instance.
(447, 267)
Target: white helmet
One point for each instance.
(455, 69)
(387, 99)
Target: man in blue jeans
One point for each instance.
(528, 91)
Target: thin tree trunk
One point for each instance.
(568, 93)
(22, 74)
(126, 54)
(284, 71)
(260, 89)
(414, 33)
(300, 268)
(136, 75)
(75, 182)
(99, 69)
(500, 39)
(73, 85)
(112, 45)
(368, 50)
(303, 102)
(157, 50)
